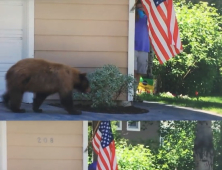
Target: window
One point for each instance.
(133, 125)
(119, 125)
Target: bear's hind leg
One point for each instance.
(38, 100)
(67, 102)
(6, 98)
(15, 101)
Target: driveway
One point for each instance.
(156, 112)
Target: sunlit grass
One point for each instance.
(209, 103)
(212, 99)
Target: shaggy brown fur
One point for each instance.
(43, 78)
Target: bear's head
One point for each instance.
(83, 85)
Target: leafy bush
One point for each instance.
(130, 157)
(107, 84)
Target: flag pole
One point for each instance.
(94, 132)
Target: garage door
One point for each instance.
(11, 36)
(45, 145)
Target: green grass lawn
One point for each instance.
(210, 103)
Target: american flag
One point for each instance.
(163, 28)
(104, 146)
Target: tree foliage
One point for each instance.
(198, 67)
(217, 140)
(176, 150)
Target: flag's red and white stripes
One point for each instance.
(106, 156)
(163, 29)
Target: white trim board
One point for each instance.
(85, 144)
(131, 34)
(28, 42)
(3, 145)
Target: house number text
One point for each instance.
(45, 140)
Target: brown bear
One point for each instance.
(43, 78)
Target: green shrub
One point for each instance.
(107, 84)
(131, 157)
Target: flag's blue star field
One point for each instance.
(158, 2)
(107, 136)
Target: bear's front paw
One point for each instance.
(38, 110)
